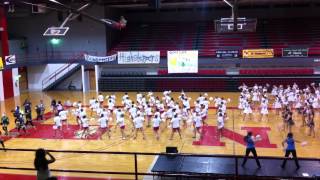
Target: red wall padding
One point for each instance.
(7, 84)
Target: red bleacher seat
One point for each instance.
(275, 33)
(276, 71)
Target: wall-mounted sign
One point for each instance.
(227, 53)
(295, 52)
(257, 53)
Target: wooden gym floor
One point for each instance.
(231, 143)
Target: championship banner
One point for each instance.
(257, 53)
(182, 61)
(11, 59)
(99, 59)
(295, 52)
(1, 64)
(138, 57)
(227, 53)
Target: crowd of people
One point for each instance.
(144, 111)
(147, 110)
(291, 103)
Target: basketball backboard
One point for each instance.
(56, 31)
(225, 25)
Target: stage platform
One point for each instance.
(226, 167)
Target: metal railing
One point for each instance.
(135, 164)
(60, 72)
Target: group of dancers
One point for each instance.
(147, 110)
(143, 111)
(295, 104)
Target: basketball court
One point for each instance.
(72, 51)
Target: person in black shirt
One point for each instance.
(54, 107)
(40, 110)
(20, 123)
(41, 164)
(27, 111)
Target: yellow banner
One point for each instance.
(257, 53)
(1, 63)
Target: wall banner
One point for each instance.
(182, 61)
(257, 53)
(138, 57)
(99, 59)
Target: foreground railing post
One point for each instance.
(236, 166)
(135, 166)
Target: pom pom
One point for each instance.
(304, 143)
(210, 98)
(205, 94)
(258, 137)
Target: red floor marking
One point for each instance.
(45, 131)
(263, 132)
(209, 136)
(31, 177)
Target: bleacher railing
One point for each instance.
(47, 81)
(135, 164)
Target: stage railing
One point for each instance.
(135, 164)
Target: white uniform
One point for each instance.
(175, 122)
(110, 105)
(156, 121)
(100, 98)
(220, 122)
(138, 122)
(247, 108)
(92, 102)
(85, 122)
(63, 115)
(264, 109)
(103, 122)
(197, 121)
(57, 122)
(120, 121)
(148, 111)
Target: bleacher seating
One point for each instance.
(276, 71)
(274, 33)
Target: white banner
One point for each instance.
(183, 61)
(138, 57)
(90, 58)
(11, 59)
